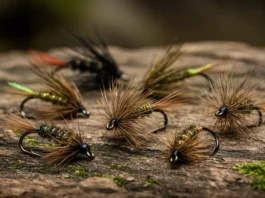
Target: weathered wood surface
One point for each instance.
(24, 176)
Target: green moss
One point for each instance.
(31, 142)
(41, 169)
(47, 170)
(104, 176)
(150, 181)
(256, 170)
(121, 167)
(20, 164)
(121, 182)
(219, 154)
(79, 171)
(35, 143)
(67, 176)
(143, 157)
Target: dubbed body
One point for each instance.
(55, 99)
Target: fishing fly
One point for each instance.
(68, 143)
(98, 61)
(191, 145)
(233, 103)
(125, 107)
(162, 78)
(65, 97)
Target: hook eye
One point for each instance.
(222, 111)
(83, 112)
(110, 126)
(125, 77)
(174, 157)
(90, 155)
(113, 123)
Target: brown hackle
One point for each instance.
(67, 141)
(194, 148)
(240, 97)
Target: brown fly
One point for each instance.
(189, 145)
(65, 97)
(233, 102)
(68, 143)
(125, 107)
(162, 78)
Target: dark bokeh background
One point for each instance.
(129, 23)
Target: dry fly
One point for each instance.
(162, 78)
(97, 61)
(68, 143)
(124, 108)
(64, 96)
(189, 146)
(232, 103)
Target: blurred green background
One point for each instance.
(129, 23)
